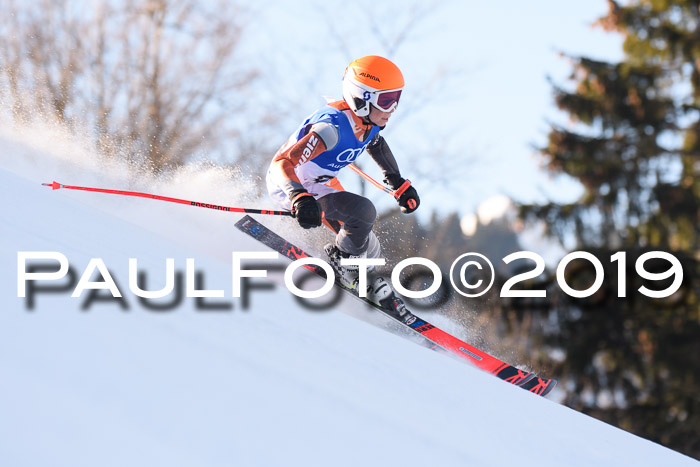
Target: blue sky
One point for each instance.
(496, 57)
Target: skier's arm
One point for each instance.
(320, 137)
(406, 194)
(379, 151)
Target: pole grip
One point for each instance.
(400, 190)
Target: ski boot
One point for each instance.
(381, 293)
(348, 276)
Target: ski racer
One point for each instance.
(302, 174)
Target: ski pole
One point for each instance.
(395, 193)
(56, 186)
(359, 172)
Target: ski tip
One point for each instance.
(54, 186)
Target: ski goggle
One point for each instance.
(386, 101)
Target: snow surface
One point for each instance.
(273, 385)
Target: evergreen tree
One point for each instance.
(635, 147)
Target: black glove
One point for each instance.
(306, 209)
(405, 194)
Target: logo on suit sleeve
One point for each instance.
(309, 149)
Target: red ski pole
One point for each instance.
(359, 172)
(56, 186)
(395, 193)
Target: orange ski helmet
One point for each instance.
(372, 80)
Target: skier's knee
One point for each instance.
(367, 211)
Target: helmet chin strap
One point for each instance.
(366, 119)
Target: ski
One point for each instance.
(441, 340)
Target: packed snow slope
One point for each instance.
(99, 383)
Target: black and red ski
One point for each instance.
(441, 340)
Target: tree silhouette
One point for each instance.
(632, 144)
